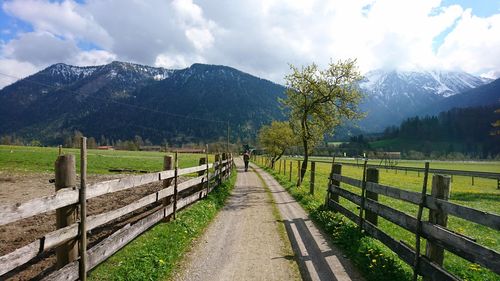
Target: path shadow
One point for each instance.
(314, 255)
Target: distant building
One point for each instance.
(186, 150)
(150, 148)
(105, 147)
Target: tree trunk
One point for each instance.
(303, 167)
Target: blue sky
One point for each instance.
(261, 37)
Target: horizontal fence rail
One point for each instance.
(181, 194)
(439, 237)
(487, 175)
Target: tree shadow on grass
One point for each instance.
(470, 196)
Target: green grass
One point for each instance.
(41, 159)
(287, 247)
(484, 196)
(155, 254)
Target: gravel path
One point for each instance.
(243, 242)
(318, 259)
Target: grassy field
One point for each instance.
(484, 196)
(41, 159)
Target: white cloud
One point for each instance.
(64, 19)
(474, 45)
(93, 57)
(258, 36)
(11, 70)
(40, 48)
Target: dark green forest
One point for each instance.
(465, 130)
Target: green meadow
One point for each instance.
(41, 159)
(483, 195)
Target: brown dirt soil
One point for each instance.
(16, 187)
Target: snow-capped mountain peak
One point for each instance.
(415, 83)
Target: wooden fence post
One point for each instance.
(290, 178)
(82, 265)
(202, 161)
(284, 167)
(208, 174)
(299, 180)
(313, 174)
(219, 168)
(167, 165)
(65, 176)
(440, 189)
(224, 157)
(279, 169)
(337, 170)
(371, 176)
(176, 171)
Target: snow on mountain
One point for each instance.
(70, 71)
(392, 96)
(439, 83)
(114, 70)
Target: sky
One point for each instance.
(261, 37)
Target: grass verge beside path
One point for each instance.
(287, 250)
(155, 254)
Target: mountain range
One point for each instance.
(121, 100)
(392, 96)
(196, 104)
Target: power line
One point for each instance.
(129, 105)
(119, 103)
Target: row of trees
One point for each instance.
(471, 131)
(316, 102)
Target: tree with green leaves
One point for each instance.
(319, 100)
(276, 138)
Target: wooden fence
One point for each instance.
(69, 239)
(434, 230)
(472, 174)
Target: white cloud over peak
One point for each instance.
(258, 36)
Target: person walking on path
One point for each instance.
(246, 159)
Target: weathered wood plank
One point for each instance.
(470, 214)
(18, 257)
(111, 186)
(426, 268)
(55, 238)
(348, 180)
(462, 246)
(190, 183)
(451, 241)
(108, 246)
(167, 174)
(191, 170)
(13, 212)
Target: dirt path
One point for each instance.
(318, 260)
(243, 243)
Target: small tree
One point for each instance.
(276, 138)
(91, 143)
(319, 100)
